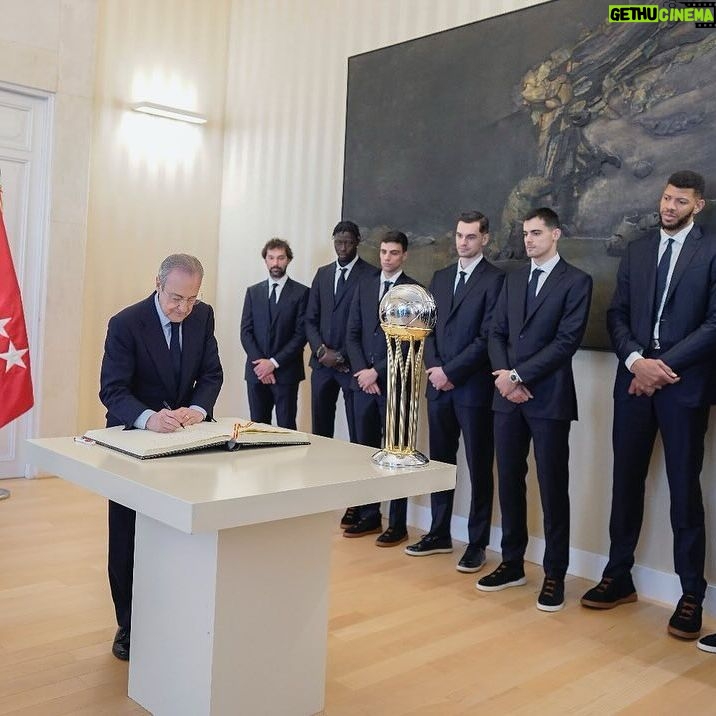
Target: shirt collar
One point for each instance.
(680, 236)
(546, 267)
(384, 278)
(470, 267)
(347, 266)
(280, 281)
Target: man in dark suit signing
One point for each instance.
(539, 322)
(662, 323)
(459, 388)
(160, 371)
(273, 335)
(329, 301)
(367, 353)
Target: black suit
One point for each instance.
(459, 345)
(367, 348)
(326, 321)
(137, 375)
(687, 334)
(539, 344)
(277, 333)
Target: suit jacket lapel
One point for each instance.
(156, 344)
(551, 281)
(688, 251)
(518, 296)
(374, 289)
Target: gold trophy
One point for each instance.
(407, 315)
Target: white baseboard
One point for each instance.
(650, 583)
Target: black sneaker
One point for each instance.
(506, 575)
(708, 643)
(473, 560)
(365, 526)
(392, 537)
(685, 622)
(610, 593)
(551, 598)
(430, 544)
(350, 517)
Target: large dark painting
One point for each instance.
(551, 105)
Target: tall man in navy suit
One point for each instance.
(459, 388)
(539, 322)
(273, 335)
(329, 301)
(367, 353)
(160, 371)
(662, 323)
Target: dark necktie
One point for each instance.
(459, 288)
(662, 273)
(273, 301)
(532, 290)
(386, 288)
(341, 284)
(175, 351)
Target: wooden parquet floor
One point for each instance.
(406, 635)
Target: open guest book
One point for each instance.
(226, 432)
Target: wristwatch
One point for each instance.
(514, 378)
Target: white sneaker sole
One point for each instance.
(706, 647)
(546, 608)
(443, 550)
(498, 588)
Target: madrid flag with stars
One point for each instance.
(15, 379)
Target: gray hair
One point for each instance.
(182, 262)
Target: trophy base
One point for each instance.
(386, 458)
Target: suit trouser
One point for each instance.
(283, 396)
(120, 560)
(636, 422)
(325, 385)
(513, 432)
(369, 415)
(446, 420)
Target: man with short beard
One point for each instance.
(273, 335)
(662, 323)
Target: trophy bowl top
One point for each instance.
(408, 306)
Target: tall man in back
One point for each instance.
(662, 323)
(160, 371)
(273, 335)
(329, 302)
(367, 352)
(459, 388)
(539, 323)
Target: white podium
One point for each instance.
(232, 557)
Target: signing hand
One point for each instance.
(165, 421)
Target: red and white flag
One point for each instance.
(15, 378)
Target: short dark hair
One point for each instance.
(687, 179)
(277, 243)
(470, 217)
(395, 237)
(347, 227)
(549, 216)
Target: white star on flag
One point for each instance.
(14, 357)
(3, 323)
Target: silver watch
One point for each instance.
(514, 378)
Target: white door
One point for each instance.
(25, 117)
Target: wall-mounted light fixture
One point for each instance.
(160, 110)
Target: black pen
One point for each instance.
(169, 407)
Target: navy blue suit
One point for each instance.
(326, 322)
(283, 339)
(137, 375)
(367, 348)
(459, 345)
(539, 345)
(687, 337)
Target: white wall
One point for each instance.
(283, 166)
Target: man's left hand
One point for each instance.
(263, 367)
(188, 416)
(503, 383)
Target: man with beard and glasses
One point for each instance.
(273, 335)
(662, 323)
